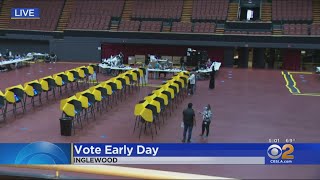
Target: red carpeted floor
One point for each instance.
(249, 106)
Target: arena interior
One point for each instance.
(266, 54)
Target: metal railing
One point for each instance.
(117, 171)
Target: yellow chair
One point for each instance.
(33, 89)
(142, 80)
(3, 106)
(151, 100)
(97, 96)
(103, 94)
(144, 115)
(137, 111)
(169, 92)
(108, 87)
(48, 84)
(118, 84)
(114, 90)
(61, 79)
(123, 81)
(73, 77)
(15, 95)
(92, 71)
(127, 80)
(148, 115)
(87, 101)
(159, 103)
(160, 94)
(72, 107)
(178, 87)
(83, 74)
(135, 79)
(183, 88)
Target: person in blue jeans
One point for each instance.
(188, 122)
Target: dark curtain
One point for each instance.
(107, 50)
(291, 59)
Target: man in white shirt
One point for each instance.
(192, 82)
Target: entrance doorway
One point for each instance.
(250, 13)
(249, 10)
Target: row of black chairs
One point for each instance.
(159, 102)
(18, 94)
(100, 97)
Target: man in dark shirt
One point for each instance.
(188, 122)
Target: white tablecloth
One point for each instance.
(36, 54)
(15, 61)
(104, 66)
(165, 70)
(216, 65)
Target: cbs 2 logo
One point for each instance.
(275, 151)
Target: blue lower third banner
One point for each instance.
(35, 153)
(85, 153)
(196, 153)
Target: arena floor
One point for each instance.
(249, 106)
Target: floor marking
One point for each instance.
(306, 94)
(287, 83)
(153, 85)
(103, 136)
(90, 82)
(288, 77)
(23, 129)
(294, 72)
(294, 83)
(290, 82)
(75, 63)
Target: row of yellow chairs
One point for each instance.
(161, 100)
(18, 94)
(98, 97)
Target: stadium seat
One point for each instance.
(3, 106)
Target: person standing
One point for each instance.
(206, 120)
(53, 58)
(192, 83)
(212, 78)
(188, 122)
(182, 64)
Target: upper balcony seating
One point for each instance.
(157, 10)
(151, 26)
(315, 30)
(90, 22)
(181, 27)
(129, 26)
(235, 32)
(94, 14)
(49, 15)
(204, 27)
(295, 29)
(210, 10)
(292, 10)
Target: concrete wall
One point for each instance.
(81, 47)
(24, 46)
(77, 49)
